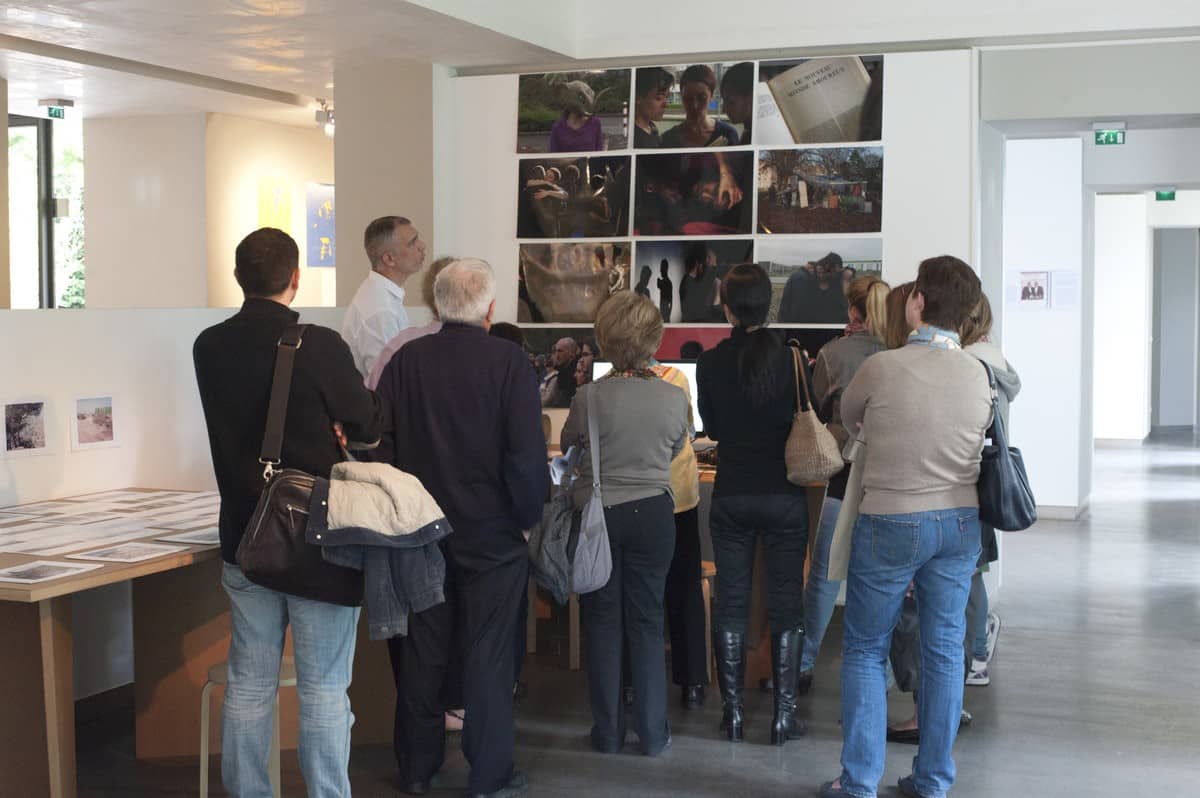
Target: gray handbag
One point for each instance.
(590, 554)
(569, 552)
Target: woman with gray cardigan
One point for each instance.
(643, 424)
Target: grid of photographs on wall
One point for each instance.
(677, 174)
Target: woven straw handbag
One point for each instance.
(811, 453)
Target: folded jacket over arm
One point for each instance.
(379, 520)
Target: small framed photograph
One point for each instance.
(27, 428)
(92, 426)
(1035, 289)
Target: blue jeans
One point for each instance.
(979, 598)
(820, 593)
(937, 551)
(323, 637)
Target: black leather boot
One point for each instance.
(785, 670)
(730, 649)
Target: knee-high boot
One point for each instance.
(731, 677)
(785, 667)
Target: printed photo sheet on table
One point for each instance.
(105, 519)
(43, 571)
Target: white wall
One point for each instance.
(1184, 211)
(1095, 83)
(384, 152)
(1043, 231)
(1148, 158)
(1121, 383)
(1177, 301)
(145, 237)
(928, 210)
(144, 359)
(238, 153)
(626, 28)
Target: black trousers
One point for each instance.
(685, 603)
(479, 617)
(736, 522)
(630, 608)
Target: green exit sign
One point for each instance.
(1165, 196)
(1106, 137)
(56, 112)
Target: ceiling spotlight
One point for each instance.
(324, 118)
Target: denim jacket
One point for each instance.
(401, 573)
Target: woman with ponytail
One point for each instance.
(837, 362)
(747, 400)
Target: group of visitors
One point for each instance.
(904, 381)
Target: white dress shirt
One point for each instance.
(374, 317)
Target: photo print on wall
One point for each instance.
(573, 111)
(686, 343)
(699, 193)
(562, 358)
(93, 425)
(567, 283)
(820, 101)
(1035, 289)
(820, 190)
(693, 105)
(809, 276)
(26, 428)
(573, 197)
(683, 278)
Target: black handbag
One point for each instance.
(273, 552)
(1005, 499)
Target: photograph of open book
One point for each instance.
(820, 100)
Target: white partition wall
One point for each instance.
(1121, 378)
(1043, 233)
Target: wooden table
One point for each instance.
(180, 629)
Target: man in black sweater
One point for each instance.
(235, 361)
(472, 433)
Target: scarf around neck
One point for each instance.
(935, 337)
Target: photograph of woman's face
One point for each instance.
(696, 98)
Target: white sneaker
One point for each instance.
(993, 634)
(978, 675)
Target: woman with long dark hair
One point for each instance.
(747, 400)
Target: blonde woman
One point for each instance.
(836, 365)
(643, 425)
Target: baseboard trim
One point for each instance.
(1058, 512)
(102, 704)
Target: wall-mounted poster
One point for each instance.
(573, 197)
(275, 204)
(319, 224)
(1035, 289)
(26, 428)
(698, 193)
(820, 190)
(573, 111)
(693, 105)
(686, 343)
(820, 100)
(567, 283)
(809, 276)
(93, 427)
(683, 278)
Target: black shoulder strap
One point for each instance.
(281, 388)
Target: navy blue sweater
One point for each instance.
(466, 420)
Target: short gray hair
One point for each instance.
(464, 291)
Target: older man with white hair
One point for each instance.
(466, 421)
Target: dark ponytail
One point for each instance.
(746, 292)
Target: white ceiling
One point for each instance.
(285, 46)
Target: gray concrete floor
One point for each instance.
(1094, 684)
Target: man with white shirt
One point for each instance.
(377, 312)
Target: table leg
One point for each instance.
(37, 725)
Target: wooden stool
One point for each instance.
(219, 675)
(708, 574)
